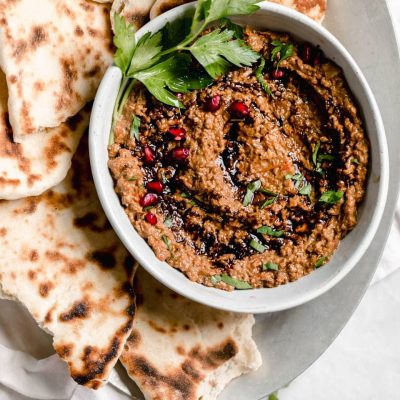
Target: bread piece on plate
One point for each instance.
(181, 350)
(54, 54)
(313, 8)
(40, 161)
(62, 260)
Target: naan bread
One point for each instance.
(63, 261)
(40, 161)
(313, 8)
(181, 350)
(136, 12)
(54, 54)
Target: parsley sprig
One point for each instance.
(161, 60)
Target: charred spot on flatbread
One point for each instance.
(79, 310)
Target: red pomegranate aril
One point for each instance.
(155, 187)
(239, 109)
(149, 155)
(306, 52)
(317, 57)
(151, 218)
(213, 103)
(278, 73)
(180, 154)
(148, 200)
(178, 133)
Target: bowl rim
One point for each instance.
(162, 276)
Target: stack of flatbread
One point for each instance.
(61, 258)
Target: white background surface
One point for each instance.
(362, 364)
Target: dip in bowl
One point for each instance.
(257, 179)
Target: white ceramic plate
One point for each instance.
(275, 17)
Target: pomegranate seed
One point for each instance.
(278, 73)
(155, 187)
(178, 133)
(180, 154)
(151, 218)
(149, 155)
(150, 199)
(317, 57)
(239, 109)
(213, 103)
(306, 52)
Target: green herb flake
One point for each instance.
(270, 266)
(297, 178)
(326, 157)
(331, 197)
(284, 50)
(269, 202)
(256, 245)
(236, 283)
(273, 396)
(320, 262)
(306, 190)
(355, 161)
(266, 230)
(260, 77)
(168, 222)
(132, 178)
(134, 132)
(167, 241)
(216, 279)
(252, 188)
(315, 153)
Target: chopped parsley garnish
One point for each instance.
(168, 222)
(266, 230)
(270, 201)
(300, 184)
(260, 77)
(252, 188)
(306, 190)
(284, 50)
(320, 262)
(297, 178)
(331, 197)
(315, 153)
(133, 178)
(273, 396)
(355, 161)
(134, 132)
(167, 242)
(236, 283)
(270, 266)
(256, 245)
(325, 157)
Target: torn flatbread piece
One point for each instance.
(134, 11)
(313, 8)
(40, 161)
(181, 350)
(54, 54)
(62, 260)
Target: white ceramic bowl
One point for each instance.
(274, 17)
